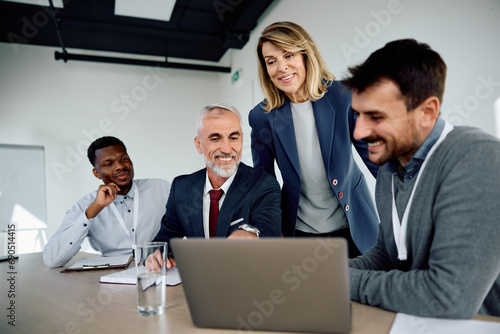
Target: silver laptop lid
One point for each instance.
(268, 284)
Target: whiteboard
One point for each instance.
(22, 182)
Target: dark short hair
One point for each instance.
(414, 67)
(102, 143)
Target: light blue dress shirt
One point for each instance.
(104, 231)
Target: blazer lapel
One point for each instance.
(324, 116)
(238, 188)
(283, 126)
(197, 202)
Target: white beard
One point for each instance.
(222, 172)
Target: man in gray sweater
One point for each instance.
(438, 247)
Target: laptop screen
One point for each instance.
(267, 284)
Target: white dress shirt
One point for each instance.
(104, 231)
(206, 201)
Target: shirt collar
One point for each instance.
(413, 166)
(224, 187)
(130, 193)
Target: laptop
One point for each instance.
(298, 285)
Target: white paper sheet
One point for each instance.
(409, 324)
(129, 276)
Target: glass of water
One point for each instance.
(151, 283)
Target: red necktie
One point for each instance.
(215, 195)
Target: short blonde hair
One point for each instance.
(291, 37)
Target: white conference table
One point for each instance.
(47, 301)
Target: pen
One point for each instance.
(90, 266)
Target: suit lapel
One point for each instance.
(324, 116)
(238, 188)
(284, 128)
(197, 202)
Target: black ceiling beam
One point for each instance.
(99, 26)
(198, 30)
(140, 62)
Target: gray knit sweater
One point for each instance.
(453, 236)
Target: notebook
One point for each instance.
(129, 276)
(299, 285)
(104, 262)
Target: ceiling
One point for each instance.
(197, 30)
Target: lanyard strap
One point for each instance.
(399, 227)
(136, 216)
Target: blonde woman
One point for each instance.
(305, 124)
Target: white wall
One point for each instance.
(44, 102)
(61, 105)
(465, 33)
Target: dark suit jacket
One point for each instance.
(273, 138)
(254, 196)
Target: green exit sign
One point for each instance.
(236, 76)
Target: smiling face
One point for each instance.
(113, 165)
(220, 140)
(287, 71)
(390, 130)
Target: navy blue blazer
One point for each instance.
(273, 138)
(252, 198)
